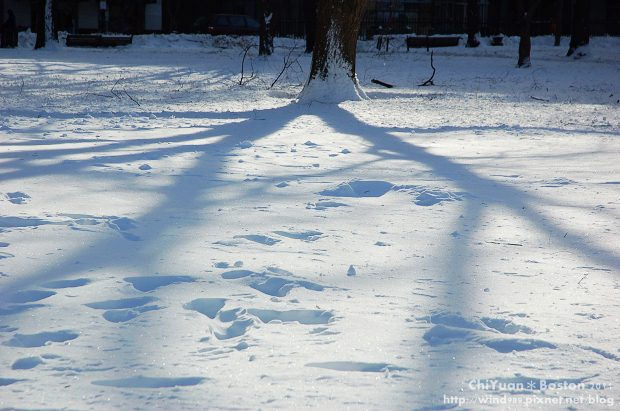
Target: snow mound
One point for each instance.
(359, 189)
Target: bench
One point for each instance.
(415, 42)
(497, 41)
(97, 40)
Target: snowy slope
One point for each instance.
(171, 239)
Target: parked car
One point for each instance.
(220, 24)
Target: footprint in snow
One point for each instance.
(18, 308)
(8, 381)
(40, 339)
(359, 188)
(235, 322)
(125, 309)
(150, 382)
(426, 197)
(78, 282)
(557, 182)
(491, 332)
(122, 225)
(235, 274)
(310, 235)
(261, 239)
(26, 363)
(18, 197)
(423, 196)
(323, 205)
(353, 366)
(153, 282)
(268, 283)
(17, 302)
(27, 296)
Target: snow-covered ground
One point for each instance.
(172, 239)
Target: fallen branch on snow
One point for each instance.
(381, 83)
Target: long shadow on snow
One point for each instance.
(384, 145)
(459, 292)
(187, 195)
(389, 147)
(180, 198)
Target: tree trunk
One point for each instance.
(49, 21)
(265, 40)
(473, 23)
(38, 9)
(525, 43)
(310, 14)
(332, 73)
(580, 35)
(558, 11)
(103, 10)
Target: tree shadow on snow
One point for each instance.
(191, 197)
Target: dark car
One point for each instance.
(219, 24)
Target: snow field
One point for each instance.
(171, 239)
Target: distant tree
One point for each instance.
(332, 72)
(525, 42)
(49, 20)
(558, 11)
(38, 12)
(265, 38)
(9, 35)
(310, 17)
(473, 23)
(580, 35)
(43, 21)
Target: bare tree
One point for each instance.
(332, 72)
(38, 11)
(525, 42)
(558, 11)
(43, 22)
(265, 39)
(473, 23)
(580, 35)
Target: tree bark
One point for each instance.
(525, 43)
(580, 35)
(49, 21)
(310, 16)
(332, 72)
(265, 40)
(473, 23)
